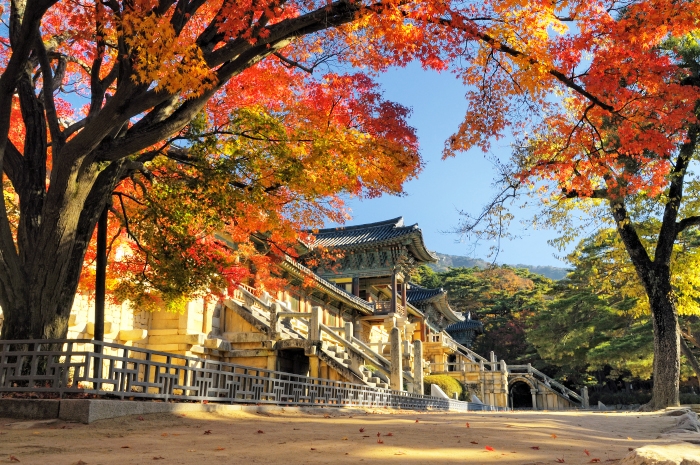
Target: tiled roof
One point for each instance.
(465, 326)
(421, 296)
(417, 294)
(383, 232)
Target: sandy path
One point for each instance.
(291, 438)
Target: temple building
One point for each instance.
(356, 318)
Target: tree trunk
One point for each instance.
(38, 304)
(667, 348)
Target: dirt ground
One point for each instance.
(373, 437)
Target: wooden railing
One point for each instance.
(383, 307)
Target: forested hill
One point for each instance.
(455, 261)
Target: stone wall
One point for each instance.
(123, 325)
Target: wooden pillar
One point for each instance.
(403, 294)
(393, 292)
(356, 286)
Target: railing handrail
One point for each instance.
(546, 380)
(61, 371)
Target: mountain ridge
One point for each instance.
(446, 261)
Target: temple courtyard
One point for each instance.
(572, 437)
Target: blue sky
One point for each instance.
(445, 187)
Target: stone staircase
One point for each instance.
(365, 372)
(257, 311)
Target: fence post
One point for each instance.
(584, 394)
(418, 367)
(396, 369)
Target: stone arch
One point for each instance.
(520, 389)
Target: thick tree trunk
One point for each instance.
(42, 299)
(667, 348)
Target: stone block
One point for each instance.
(217, 343)
(163, 315)
(197, 339)
(132, 334)
(90, 328)
(29, 409)
(199, 350)
(72, 319)
(162, 332)
(244, 337)
(163, 347)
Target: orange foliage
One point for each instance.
(279, 142)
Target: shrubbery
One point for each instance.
(446, 382)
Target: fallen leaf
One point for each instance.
(629, 438)
(220, 448)
(509, 426)
(630, 449)
(362, 430)
(379, 434)
(126, 447)
(166, 435)
(183, 415)
(535, 447)
(594, 461)
(554, 436)
(13, 458)
(345, 439)
(561, 460)
(313, 448)
(79, 462)
(326, 416)
(191, 450)
(467, 424)
(389, 434)
(205, 401)
(400, 453)
(489, 448)
(140, 418)
(417, 421)
(474, 442)
(366, 436)
(209, 431)
(159, 458)
(261, 431)
(586, 452)
(379, 441)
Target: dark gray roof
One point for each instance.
(417, 294)
(383, 232)
(465, 326)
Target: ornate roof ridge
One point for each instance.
(370, 234)
(396, 222)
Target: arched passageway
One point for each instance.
(520, 395)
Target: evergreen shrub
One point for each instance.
(446, 382)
